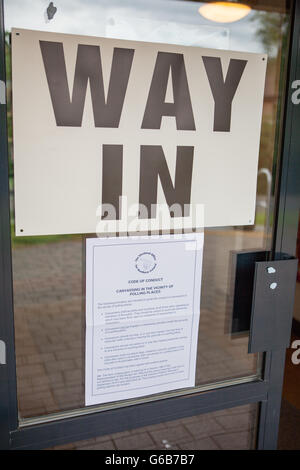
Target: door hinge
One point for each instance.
(2, 353)
(2, 92)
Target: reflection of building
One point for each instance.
(270, 111)
(271, 90)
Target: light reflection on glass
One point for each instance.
(166, 21)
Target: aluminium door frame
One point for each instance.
(287, 212)
(266, 391)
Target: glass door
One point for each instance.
(49, 271)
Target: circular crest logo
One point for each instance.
(145, 262)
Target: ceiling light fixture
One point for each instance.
(224, 12)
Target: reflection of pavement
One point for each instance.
(225, 429)
(49, 322)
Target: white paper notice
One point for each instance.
(142, 315)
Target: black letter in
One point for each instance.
(156, 106)
(223, 92)
(112, 168)
(88, 68)
(154, 165)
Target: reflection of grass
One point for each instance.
(19, 241)
(260, 218)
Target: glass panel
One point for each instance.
(48, 271)
(222, 430)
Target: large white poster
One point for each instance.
(96, 120)
(142, 315)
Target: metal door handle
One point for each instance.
(272, 304)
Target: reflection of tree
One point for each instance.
(272, 29)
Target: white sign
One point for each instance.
(99, 119)
(142, 315)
